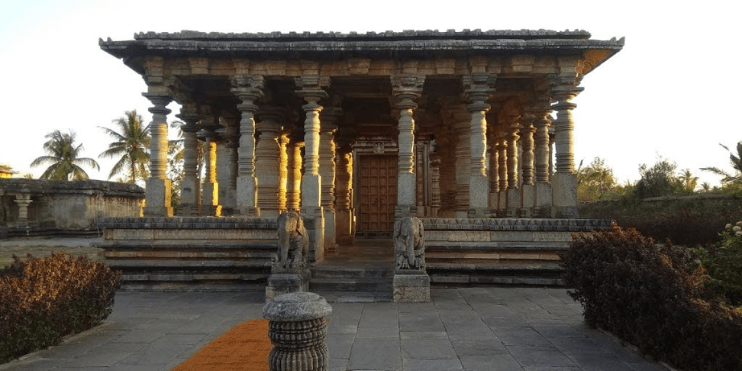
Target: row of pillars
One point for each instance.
(317, 193)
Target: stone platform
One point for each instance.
(500, 251)
(190, 253)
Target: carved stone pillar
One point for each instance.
(222, 165)
(502, 168)
(494, 176)
(478, 87)
(158, 190)
(542, 151)
(513, 194)
(293, 175)
(435, 187)
(329, 117)
(564, 182)
(405, 89)
(343, 192)
(527, 191)
(462, 126)
(248, 89)
(210, 186)
(267, 160)
(232, 135)
(190, 188)
(283, 170)
(22, 200)
(311, 89)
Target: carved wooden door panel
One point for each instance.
(378, 193)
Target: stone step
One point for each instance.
(351, 272)
(355, 297)
(351, 285)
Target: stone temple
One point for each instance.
(470, 131)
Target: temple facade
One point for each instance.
(354, 130)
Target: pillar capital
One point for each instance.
(312, 89)
(159, 102)
(189, 114)
(248, 88)
(406, 88)
(478, 87)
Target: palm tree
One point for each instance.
(130, 146)
(63, 155)
(736, 161)
(688, 181)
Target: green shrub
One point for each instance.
(644, 294)
(723, 261)
(688, 221)
(42, 300)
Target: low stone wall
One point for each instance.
(191, 253)
(34, 207)
(500, 251)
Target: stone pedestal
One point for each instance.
(543, 200)
(298, 329)
(158, 198)
(527, 200)
(411, 288)
(564, 196)
(284, 283)
(314, 221)
(513, 210)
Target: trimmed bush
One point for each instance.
(42, 300)
(723, 261)
(644, 293)
(689, 221)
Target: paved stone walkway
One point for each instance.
(488, 328)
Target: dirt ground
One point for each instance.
(44, 246)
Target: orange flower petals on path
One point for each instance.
(244, 347)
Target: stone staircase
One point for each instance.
(500, 251)
(352, 284)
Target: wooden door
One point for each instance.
(378, 193)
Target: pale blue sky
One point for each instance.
(672, 91)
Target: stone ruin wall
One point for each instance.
(65, 207)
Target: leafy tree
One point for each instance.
(736, 162)
(63, 156)
(130, 146)
(688, 181)
(659, 180)
(596, 181)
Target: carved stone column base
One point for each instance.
(513, 210)
(344, 227)
(502, 205)
(527, 200)
(479, 189)
(157, 197)
(189, 196)
(411, 288)
(211, 205)
(314, 222)
(331, 246)
(284, 283)
(543, 200)
(480, 212)
(564, 196)
(246, 200)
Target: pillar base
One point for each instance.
(502, 205)
(314, 222)
(513, 210)
(543, 200)
(527, 200)
(479, 189)
(564, 196)
(246, 197)
(157, 196)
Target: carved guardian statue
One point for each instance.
(293, 244)
(409, 244)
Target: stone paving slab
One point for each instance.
(481, 328)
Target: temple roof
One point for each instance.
(334, 45)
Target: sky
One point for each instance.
(670, 93)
